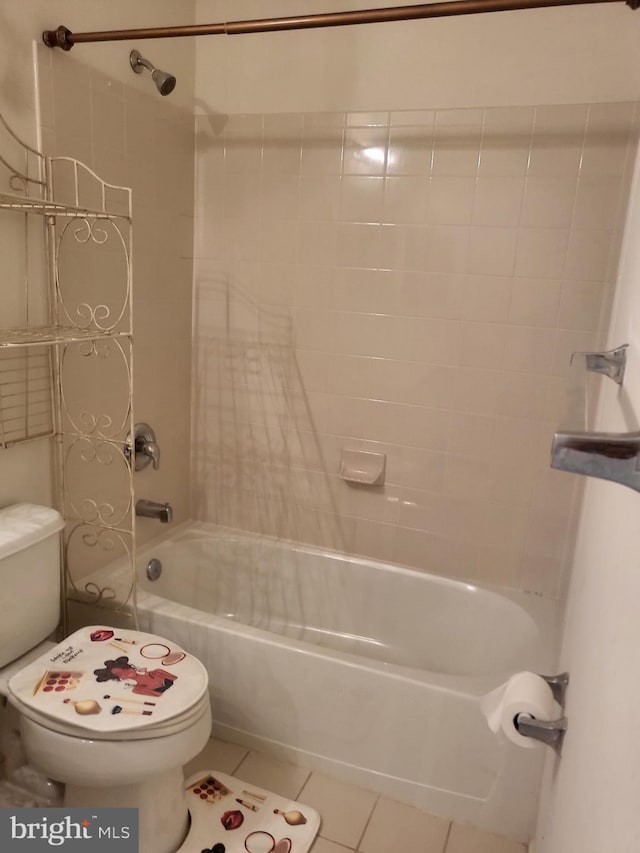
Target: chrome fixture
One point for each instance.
(607, 455)
(153, 509)
(145, 447)
(558, 685)
(549, 732)
(611, 363)
(165, 82)
(154, 569)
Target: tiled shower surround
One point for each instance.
(134, 137)
(411, 283)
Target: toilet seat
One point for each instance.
(7, 672)
(176, 724)
(108, 684)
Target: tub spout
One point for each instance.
(152, 509)
(609, 456)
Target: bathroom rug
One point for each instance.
(232, 816)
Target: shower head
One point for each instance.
(165, 82)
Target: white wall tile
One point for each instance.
(548, 202)
(541, 252)
(451, 200)
(406, 199)
(498, 200)
(486, 298)
(411, 282)
(362, 199)
(534, 302)
(492, 251)
(410, 150)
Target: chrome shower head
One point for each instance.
(165, 82)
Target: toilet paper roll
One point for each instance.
(523, 693)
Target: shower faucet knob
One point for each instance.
(145, 447)
(151, 450)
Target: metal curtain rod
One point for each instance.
(64, 38)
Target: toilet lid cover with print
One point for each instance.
(111, 679)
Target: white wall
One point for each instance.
(25, 470)
(545, 56)
(20, 24)
(590, 797)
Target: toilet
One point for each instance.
(113, 714)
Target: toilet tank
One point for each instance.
(29, 577)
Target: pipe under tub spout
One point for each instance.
(152, 509)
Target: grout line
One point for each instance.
(304, 784)
(240, 763)
(446, 841)
(368, 821)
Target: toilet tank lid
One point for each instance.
(22, 525)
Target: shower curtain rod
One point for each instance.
(65, 39)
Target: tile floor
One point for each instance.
(354, 820)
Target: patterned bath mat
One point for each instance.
(232, 816)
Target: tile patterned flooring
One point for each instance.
(354, 820)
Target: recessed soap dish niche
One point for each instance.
(363, 467)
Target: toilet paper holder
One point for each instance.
(558, 684)
(549, 732)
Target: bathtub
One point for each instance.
(369, 672)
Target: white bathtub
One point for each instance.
(369, 672)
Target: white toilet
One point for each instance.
(114, 714)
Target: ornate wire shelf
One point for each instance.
(26, 395)
(66, 356)
(51, 335)
(25, 204)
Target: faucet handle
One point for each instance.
(149, 449)
(144, 448)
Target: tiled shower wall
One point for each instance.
(411, 283)
(136, 138)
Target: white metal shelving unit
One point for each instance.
(66, 357)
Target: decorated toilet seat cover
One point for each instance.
(111, 679)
